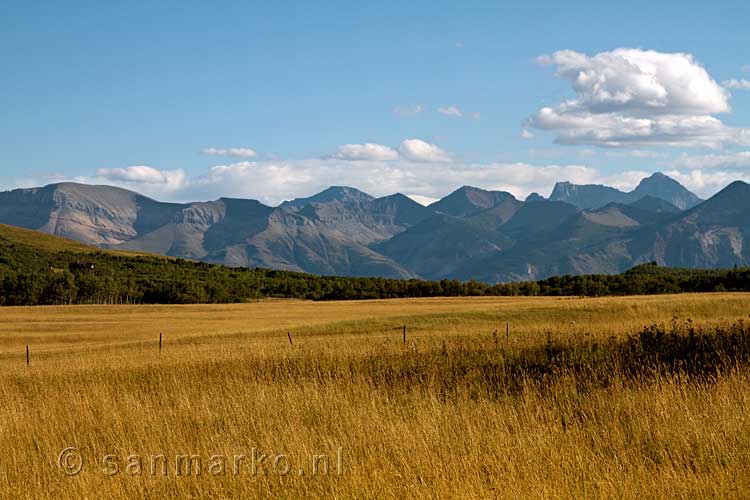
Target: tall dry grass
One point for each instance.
(457, 412)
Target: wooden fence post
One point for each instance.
(289, 335)
(404, 334)
(160, 334)
(27, 355)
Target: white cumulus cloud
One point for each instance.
(421, 151)
(142, 174)
(634, 79)
(629, 97)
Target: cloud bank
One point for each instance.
(737, 84)
(273, 181)
(738, 160)
(230, 152)
(429, 174)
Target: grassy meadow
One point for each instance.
(345, 409)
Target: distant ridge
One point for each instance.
(657, 185)
(471, 233)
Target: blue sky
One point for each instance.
(132, 93)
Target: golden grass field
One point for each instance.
(228, 382)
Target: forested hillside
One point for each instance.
(38, 269)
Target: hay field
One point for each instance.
(231, 408)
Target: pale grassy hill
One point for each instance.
(49, 243)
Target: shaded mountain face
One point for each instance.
(656, 205)
(438, 246)
(532, 260)
(715, 233)
(579, 242)
(441, 244)
(470, 234)
(657, 185)
(537, 217)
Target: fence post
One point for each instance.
(289, 335)
(27, 355)
(404, 334)
(160, 334)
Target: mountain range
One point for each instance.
(470, 234)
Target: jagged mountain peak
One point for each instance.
(343, 194)
(658, 185)
(469, 200)
(396, 197)
(586, 195)
(535, 197)
(662, 186)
